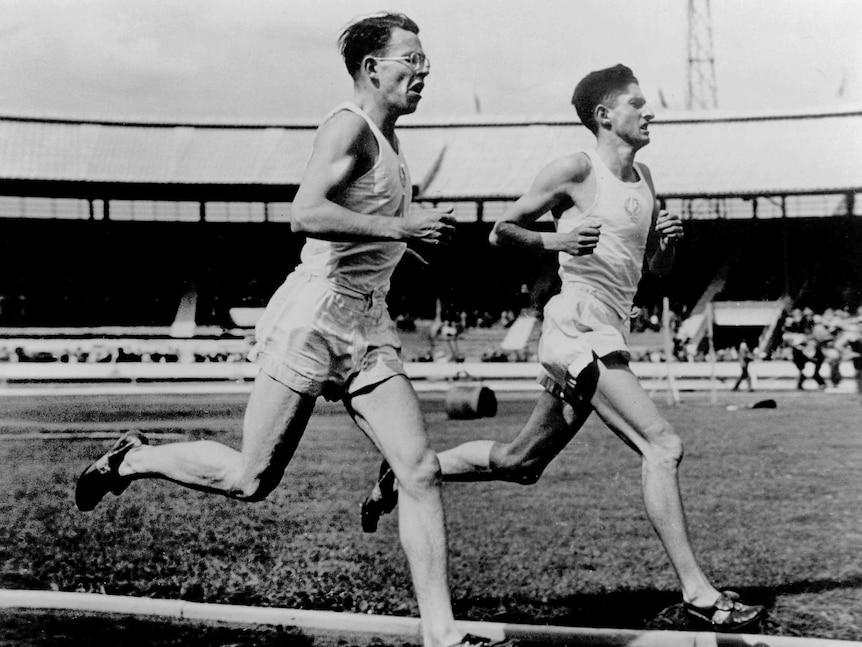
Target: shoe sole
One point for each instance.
(695, 617)
(369, 517)
(372, 509)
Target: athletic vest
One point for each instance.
(625, 209)
(385, 190)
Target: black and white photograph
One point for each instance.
(480, 323)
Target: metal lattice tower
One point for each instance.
(702, 89)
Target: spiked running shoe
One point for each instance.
(727, 614)
(102, 477)
(382, 500)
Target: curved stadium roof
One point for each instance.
(696, 154)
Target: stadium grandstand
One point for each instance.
(140, 226)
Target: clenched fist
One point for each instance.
(433, 226)
(582, 240)
(668, 226)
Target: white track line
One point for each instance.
(386, 625)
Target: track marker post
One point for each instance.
(710, 323)
(672, 392)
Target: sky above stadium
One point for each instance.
(276, 60)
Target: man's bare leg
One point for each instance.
(274, 422)
(551, 426)
(628, 410)
(390, 415)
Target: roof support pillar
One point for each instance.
(785, 248)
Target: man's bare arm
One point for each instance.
(552, 189)
(339, 150)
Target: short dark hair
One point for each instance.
(598, 87)
(370, 35)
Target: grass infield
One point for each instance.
(772, 497)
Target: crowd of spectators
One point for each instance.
(97, 352)
(830, 338)
(810, 340)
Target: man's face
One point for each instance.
(401, 82)
(630, 116)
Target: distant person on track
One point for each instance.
(746, 357)
(327, 331)
(607, 223)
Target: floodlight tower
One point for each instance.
(702, 89)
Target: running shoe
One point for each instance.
(728, 613)
(102, 477)
(382, 500)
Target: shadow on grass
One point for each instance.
(631, 609)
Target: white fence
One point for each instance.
(688, 376)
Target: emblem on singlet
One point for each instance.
(633, 207)
(402, 173)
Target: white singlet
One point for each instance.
(625, 210)
(361, 268)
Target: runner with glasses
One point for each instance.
(326, 331)
(416, 60)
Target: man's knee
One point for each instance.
(421, 474)
(665, 445)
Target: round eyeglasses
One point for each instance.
(419, 62)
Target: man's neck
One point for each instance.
(380, 114)
(619, 157)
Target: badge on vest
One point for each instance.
(633, 207)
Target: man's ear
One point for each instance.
(369, 66)
(601, 116)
